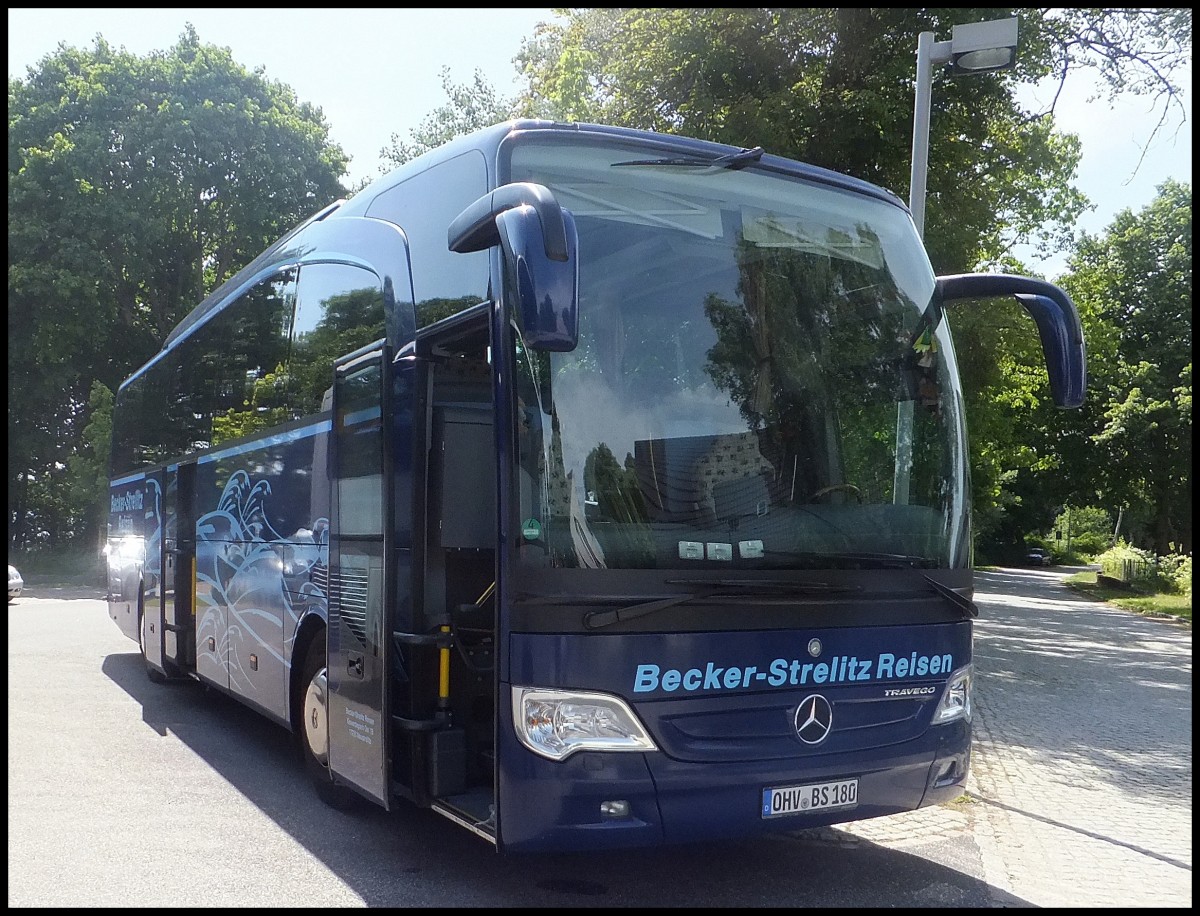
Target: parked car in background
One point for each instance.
(15, 583)
(1036, 556)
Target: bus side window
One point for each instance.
(224, 380)
(238, 364)
(444, 281)
(339, 308)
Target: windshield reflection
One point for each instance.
(754, 386)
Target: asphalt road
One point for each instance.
(127, 793)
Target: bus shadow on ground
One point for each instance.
(414, 857)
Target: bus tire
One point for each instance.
(152, 673)
(312, 728)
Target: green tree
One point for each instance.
(136, 185)
(469, 108)
(87, 468)
(1134, 285)
(1086, 530)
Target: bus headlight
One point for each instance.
(557, 723)
(956, 698)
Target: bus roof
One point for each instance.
(488, 140)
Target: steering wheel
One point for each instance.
(836, 488)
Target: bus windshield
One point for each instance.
(763, 379)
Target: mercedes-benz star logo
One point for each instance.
(814, 719)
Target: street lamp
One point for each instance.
(977, 47)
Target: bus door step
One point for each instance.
(476, 807)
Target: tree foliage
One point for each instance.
(1087, 530)
(136, 185)
(87, 468)
(469, 108)
(834, 87)
(1134, 284)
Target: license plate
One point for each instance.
(818, 796)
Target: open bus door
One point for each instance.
(178, 569)
(151, 620)
(168, 579)
(358, 583)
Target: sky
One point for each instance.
(375, 73)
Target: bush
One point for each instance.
(1088, 544)
(1175, 571)
(61, 564)
(1170, 573)
(1127, 563)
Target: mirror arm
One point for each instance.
(1053, 312)
(475, 228)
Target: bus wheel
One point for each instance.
(152, 673)
(312, 729)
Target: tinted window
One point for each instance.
(131, 446)
(359, 430)
(339, 308)
(225, 380)
(424, 206)
(755, 386)
(233, 370)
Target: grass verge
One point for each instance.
(1151, 604)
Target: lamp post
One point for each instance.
(976, 47)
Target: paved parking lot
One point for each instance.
(1080, 794)
(1081, 776)
(1083, 759)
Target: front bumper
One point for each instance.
(548, 806)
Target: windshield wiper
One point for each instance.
(738, 160)
(779, 585)
(750, 590)
(864, 560)
(962, 602)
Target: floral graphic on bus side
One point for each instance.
(253, 584)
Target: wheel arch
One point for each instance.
(311, 628)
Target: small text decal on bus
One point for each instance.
(783, 672)
(135, 499)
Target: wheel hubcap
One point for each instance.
(316, 719)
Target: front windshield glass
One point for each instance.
(760, 380)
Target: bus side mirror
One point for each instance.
(541, 258)
(1057, 322)
(547, 291)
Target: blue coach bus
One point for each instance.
(593, 487)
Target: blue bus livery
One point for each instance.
(592, 487)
